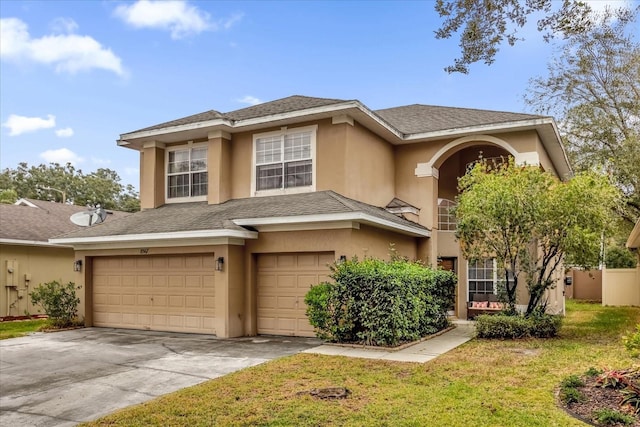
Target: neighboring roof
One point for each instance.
(235, 215)
(634, 237)
(419, 118)
(33, 221)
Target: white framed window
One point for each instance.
(446, 218)
(482, 277)
(284, 161)
(187, 173)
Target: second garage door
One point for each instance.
(282, 282)
(161, 293)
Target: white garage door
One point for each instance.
(161, 293)
(282, 281)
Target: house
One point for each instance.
(243, 211)
(26, 256)
(621, 286)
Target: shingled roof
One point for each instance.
(418, 118)
(409, 119)
(279, 106)
(200, 216)
(37, 220)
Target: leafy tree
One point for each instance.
(485, 24)
(8, 196)
(530, 222)
(593, 88)
(619, 257)
(55, 182)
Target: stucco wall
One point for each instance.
(587, 285)
(621, 286)
(40, 264)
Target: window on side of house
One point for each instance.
(284, 161)
(482, 277)
(187, 174)
(446, 218)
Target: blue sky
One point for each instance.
(74, 75)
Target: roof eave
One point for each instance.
(155, 237)
(360, 217)
(20, 242)
(634, 237)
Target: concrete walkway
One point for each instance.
(422, 352)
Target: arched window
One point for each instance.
(446, 218)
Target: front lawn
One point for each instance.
(482, 383)
(19, 328)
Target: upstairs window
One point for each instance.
(284, 161)
(446, 218)
(187, 173)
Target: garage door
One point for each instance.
(282, 282)
(161, 293)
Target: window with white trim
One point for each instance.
(187, 174)
(482, 277)
(284, 161)
(446, 218)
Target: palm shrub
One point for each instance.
(378, 302)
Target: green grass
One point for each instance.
(482, 383)
(19, 328)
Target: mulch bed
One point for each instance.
(598, 398)
(15, 318)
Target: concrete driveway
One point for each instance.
(64, 378)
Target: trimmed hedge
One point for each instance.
(504, 326)
(382, 303)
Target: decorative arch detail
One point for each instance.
(430, 168)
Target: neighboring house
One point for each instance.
(27, 258)
(621, 286)
(243, 211)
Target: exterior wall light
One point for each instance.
(219, 263)
(77, 265)
(343, 258)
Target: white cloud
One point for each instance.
(102, 162)
(18, 125)
(61, 156)
(251, 100)
(132, 171)
(64, 133)
(65, 52)
(64, 26)
(176, 16)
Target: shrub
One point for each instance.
(632, 342)
(608, 416)
(503, 326)
(618, 257)
(58, 301)
(379, 302)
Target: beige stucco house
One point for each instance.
(27, 258)
(243, 211)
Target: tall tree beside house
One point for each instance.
(484, 25)
(593, 89)
(531, 223)
(54, 182)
